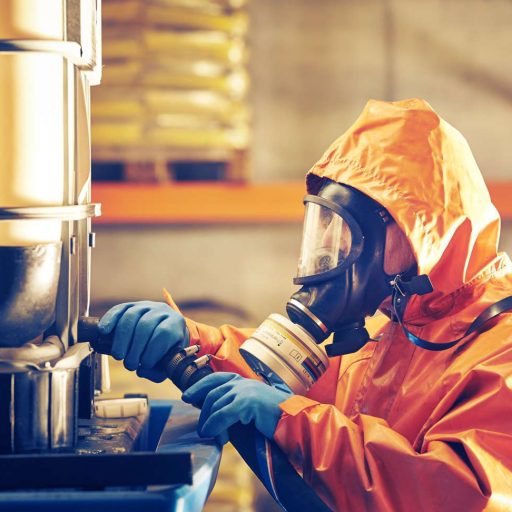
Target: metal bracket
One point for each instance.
(73, 212)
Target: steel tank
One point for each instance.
(48, 60)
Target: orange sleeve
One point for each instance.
(464, 461)
(222, 343)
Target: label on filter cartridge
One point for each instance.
(310, 362)
(270, 335)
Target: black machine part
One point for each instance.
(183, 369)
(95, 471)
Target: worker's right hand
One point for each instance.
(143, 333)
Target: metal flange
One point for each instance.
(73, 212)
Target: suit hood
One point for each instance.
(421, 169)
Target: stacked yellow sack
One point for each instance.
(174, 76)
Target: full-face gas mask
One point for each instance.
(342, 279)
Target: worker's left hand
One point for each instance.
(227, 398)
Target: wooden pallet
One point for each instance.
(164, 166)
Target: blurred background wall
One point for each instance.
(313, 65)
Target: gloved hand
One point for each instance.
(143, 333)
(227, 398)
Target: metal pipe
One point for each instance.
(32, 353)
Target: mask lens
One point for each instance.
(326, 241)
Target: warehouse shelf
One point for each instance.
(174, 88)
(196, 203)
(211, 203)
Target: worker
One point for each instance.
(414, 411)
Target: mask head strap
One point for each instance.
(403, 290)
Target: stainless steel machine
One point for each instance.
(61, 446)
(49, 57)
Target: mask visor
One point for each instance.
(331, 239)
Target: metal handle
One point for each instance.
(179, 364)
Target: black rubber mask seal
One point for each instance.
(342, 300)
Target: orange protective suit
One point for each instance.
(393, 426)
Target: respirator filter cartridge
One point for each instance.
(281, 351)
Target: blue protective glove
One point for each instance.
(227, 398)
(143, 333)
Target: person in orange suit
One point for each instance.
(414, 411)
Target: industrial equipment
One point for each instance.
(51, 415)
(49, 57)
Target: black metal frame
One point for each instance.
(93, 472)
